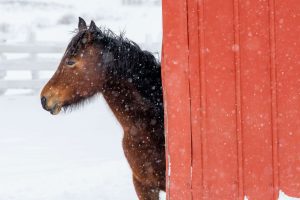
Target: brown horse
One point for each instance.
(98, 61)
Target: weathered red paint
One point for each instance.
(231, 77)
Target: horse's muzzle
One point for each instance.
(54, 109)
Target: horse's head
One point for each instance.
(80, 73)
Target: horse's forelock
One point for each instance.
(75, 43)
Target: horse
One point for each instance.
(97, 61)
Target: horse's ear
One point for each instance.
(81, 24)
(93, 27)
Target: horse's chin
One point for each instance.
(56, 110)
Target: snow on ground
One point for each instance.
(69, 156)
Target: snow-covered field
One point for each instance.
(70, 156)
(75, 156)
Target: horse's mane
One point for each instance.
(126, 61)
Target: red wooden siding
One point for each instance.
(231, 77)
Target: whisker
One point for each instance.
(79, 104)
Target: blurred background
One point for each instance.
(72, 156)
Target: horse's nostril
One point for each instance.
(44, 102)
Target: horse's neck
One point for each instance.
(129, 107)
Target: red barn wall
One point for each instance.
(231, 79)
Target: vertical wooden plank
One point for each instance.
(203, 99)
(177, 99)
(287, 23)
(221, 165)
(194, 66)
(256, 99)
(238, 94)
(274, 108)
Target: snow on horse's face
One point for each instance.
(79, 74)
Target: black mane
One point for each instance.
(126, 61)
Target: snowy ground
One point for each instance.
(76, 156)
(70, 156)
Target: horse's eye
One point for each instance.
(70, 63)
